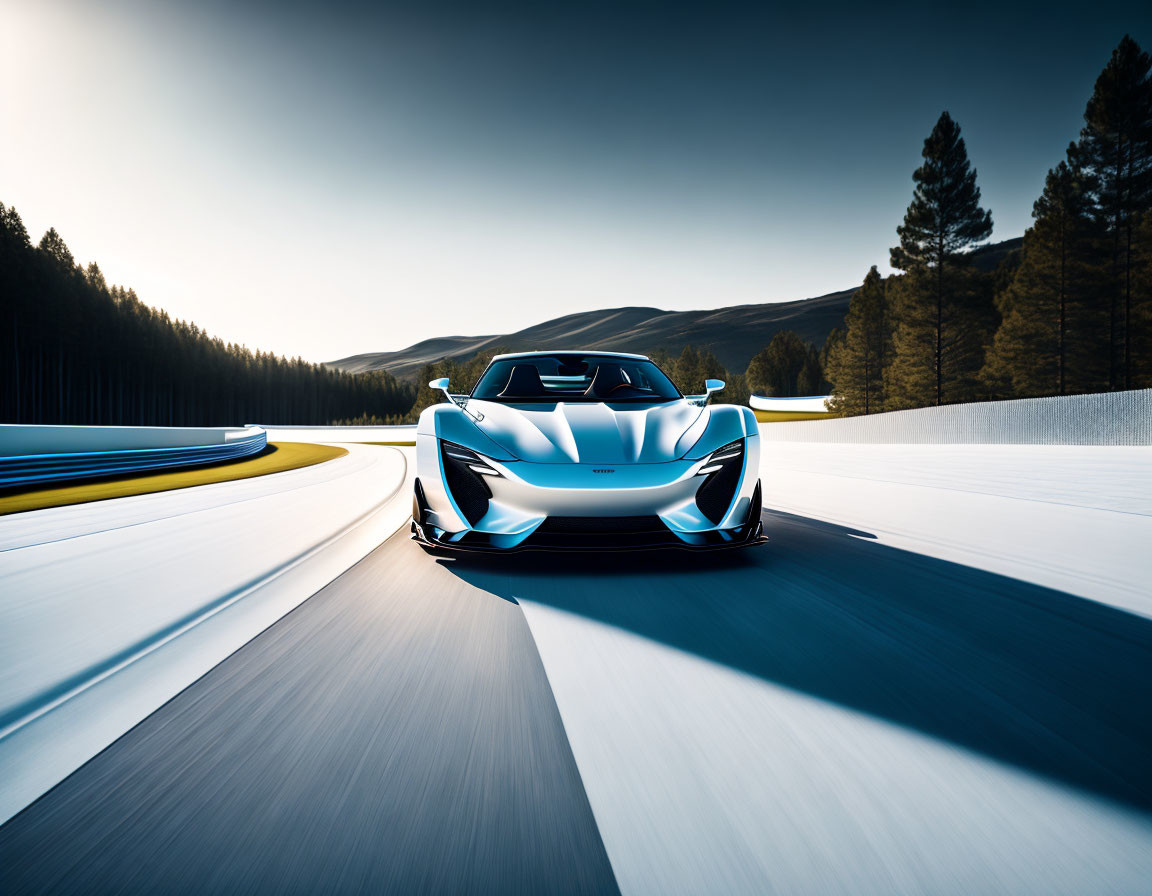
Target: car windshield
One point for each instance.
(571, 377)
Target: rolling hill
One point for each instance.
(734, 334)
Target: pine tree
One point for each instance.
(941, 306)
(1142, 309)
(1045, 342)
(12, 230)
(710, 368)
(788, 366)
(52, 245)
(831, 342)
(1116, 147)
(95, 278)
(699, 366)
(810, 379)
(856, 362)
(689, 373)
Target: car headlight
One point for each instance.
(733, 452)
(476, 462)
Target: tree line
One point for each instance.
(1071, 312)
(787, 366)
(75, 350)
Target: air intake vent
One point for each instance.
(715, 494)
(579, 525)
(468, 488)
(601, 533)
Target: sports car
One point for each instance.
(594, 450)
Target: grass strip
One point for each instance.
(789, 416)
(278, 457)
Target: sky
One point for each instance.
(325, 179)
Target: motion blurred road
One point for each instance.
(823, 715)
(394, 733)
(847, 709)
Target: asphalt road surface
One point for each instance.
(395, 733)
(824, 714)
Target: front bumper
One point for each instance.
(477, 542)
(467, 502)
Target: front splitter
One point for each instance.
(421, 536)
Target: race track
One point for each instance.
(831, 713)
(394, 733)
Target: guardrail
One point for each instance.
(118, 450)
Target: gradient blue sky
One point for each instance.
(330, 178)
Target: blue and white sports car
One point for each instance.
(596, 450)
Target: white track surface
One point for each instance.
(1074, 518)
(109, 609)
(706, 779)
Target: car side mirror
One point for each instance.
(461, 401)
(441, 385)
(710, 386)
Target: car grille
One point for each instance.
(601, 532)
(576, 525)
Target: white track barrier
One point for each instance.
(35, 454)
(404, 434)
(1110, 418)
(807, 404)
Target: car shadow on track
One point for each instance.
(1048, 682)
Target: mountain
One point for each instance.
(733, 334)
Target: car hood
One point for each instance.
(587, 433)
